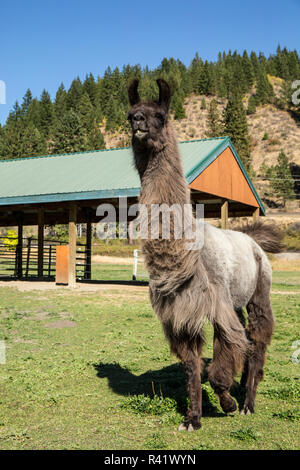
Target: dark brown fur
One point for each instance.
(267, 235)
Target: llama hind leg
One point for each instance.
(259, 332)
(227, 360)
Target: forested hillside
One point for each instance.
(237, 95)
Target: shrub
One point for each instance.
(11, 241)
(245, 434)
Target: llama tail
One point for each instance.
(266, 235)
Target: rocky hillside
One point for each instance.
(270, 129)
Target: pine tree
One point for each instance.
(285, 95)
(32, 142)
(203, 80)
(90, 87)
(74, 94)
(69, 135)
(86, 110)
(26, 102)
(12, 133)
(255, 63)
(248, 69)
(95, 140)
(46, 113)
(212, 80)
(251, 105)
(114, 116)
(33, 114)
(221, 80)
(294, 65)
(195, 71)
(264, 89)
(213, 120)
(281, 180)
(60, 103)
(236, 127)
(177, 105)
(11, 138)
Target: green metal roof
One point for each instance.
(95, 174)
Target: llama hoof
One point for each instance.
(246, 411)
(189, 427)
(182, 427)
(228, 404)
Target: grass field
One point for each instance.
(91, 370)
(117, 272)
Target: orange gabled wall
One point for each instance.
(224, 178)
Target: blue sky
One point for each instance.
(46, 43)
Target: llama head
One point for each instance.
(148, 119)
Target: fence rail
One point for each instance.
(23, 262)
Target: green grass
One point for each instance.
(92, 370)
(286, 281)
(111, 272)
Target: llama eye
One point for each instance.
(160, 116)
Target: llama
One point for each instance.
(229, 272)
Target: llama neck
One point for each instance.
(170, 263)
(161, 173)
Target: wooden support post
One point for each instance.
(224, 215)
(72, 245)
(88, 263)
(49, 261)
(19, 253)
(28, 258)
(40, 242)
(256, 215)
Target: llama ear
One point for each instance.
(133, 94)
(164, 93)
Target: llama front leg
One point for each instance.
(192, 366)
(188, 349)
(189, 354)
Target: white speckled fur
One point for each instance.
(235, 259)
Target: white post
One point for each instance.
(2, 352)
(135, 264)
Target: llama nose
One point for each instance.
(139, 117)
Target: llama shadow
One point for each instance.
(168, 382)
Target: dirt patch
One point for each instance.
(280, 292)
(24, 286)
(40, 315)
(25, 341)
(62, 324)
(288, 256)
(284, 265)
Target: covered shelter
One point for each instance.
(68, 188)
